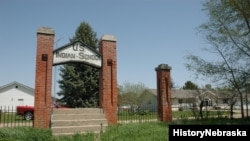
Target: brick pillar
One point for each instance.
(108, 78)
(164, 92)
(43, 80)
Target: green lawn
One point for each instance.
(151, 131)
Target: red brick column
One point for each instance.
(43, 80)
(108, 78)
(164, 92)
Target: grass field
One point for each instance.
(151, 131)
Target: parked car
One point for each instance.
(28, 111)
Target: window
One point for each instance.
(20, 101)
(180, 101)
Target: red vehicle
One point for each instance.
(26, 111)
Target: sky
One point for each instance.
(148, 33)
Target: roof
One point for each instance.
(20, 85)
(16, 84)
(184, 93)
(181, 93)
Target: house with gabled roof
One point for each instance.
(186, 99)
(181, 99)
(14, 94)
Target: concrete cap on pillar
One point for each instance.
(163, 67)
(45, 30)
(108, 37)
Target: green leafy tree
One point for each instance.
(227, 32)
(189, 85)
(145, 97)
(208, 87)
(132, 94)
(79, 82)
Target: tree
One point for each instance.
(208, 87)
(145, 97)
(189, 85)
(227, 31)
(133, 94)
(79, 86)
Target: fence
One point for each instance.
(9, 118)
(135, 114)
(127, 114)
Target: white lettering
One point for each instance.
(177, 132)
(208, 132)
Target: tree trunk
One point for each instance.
(231, 111)
(201, 105)
(241, 106)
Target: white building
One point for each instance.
(14, 94)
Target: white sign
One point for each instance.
(77, 52)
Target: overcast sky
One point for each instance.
(148, 33)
